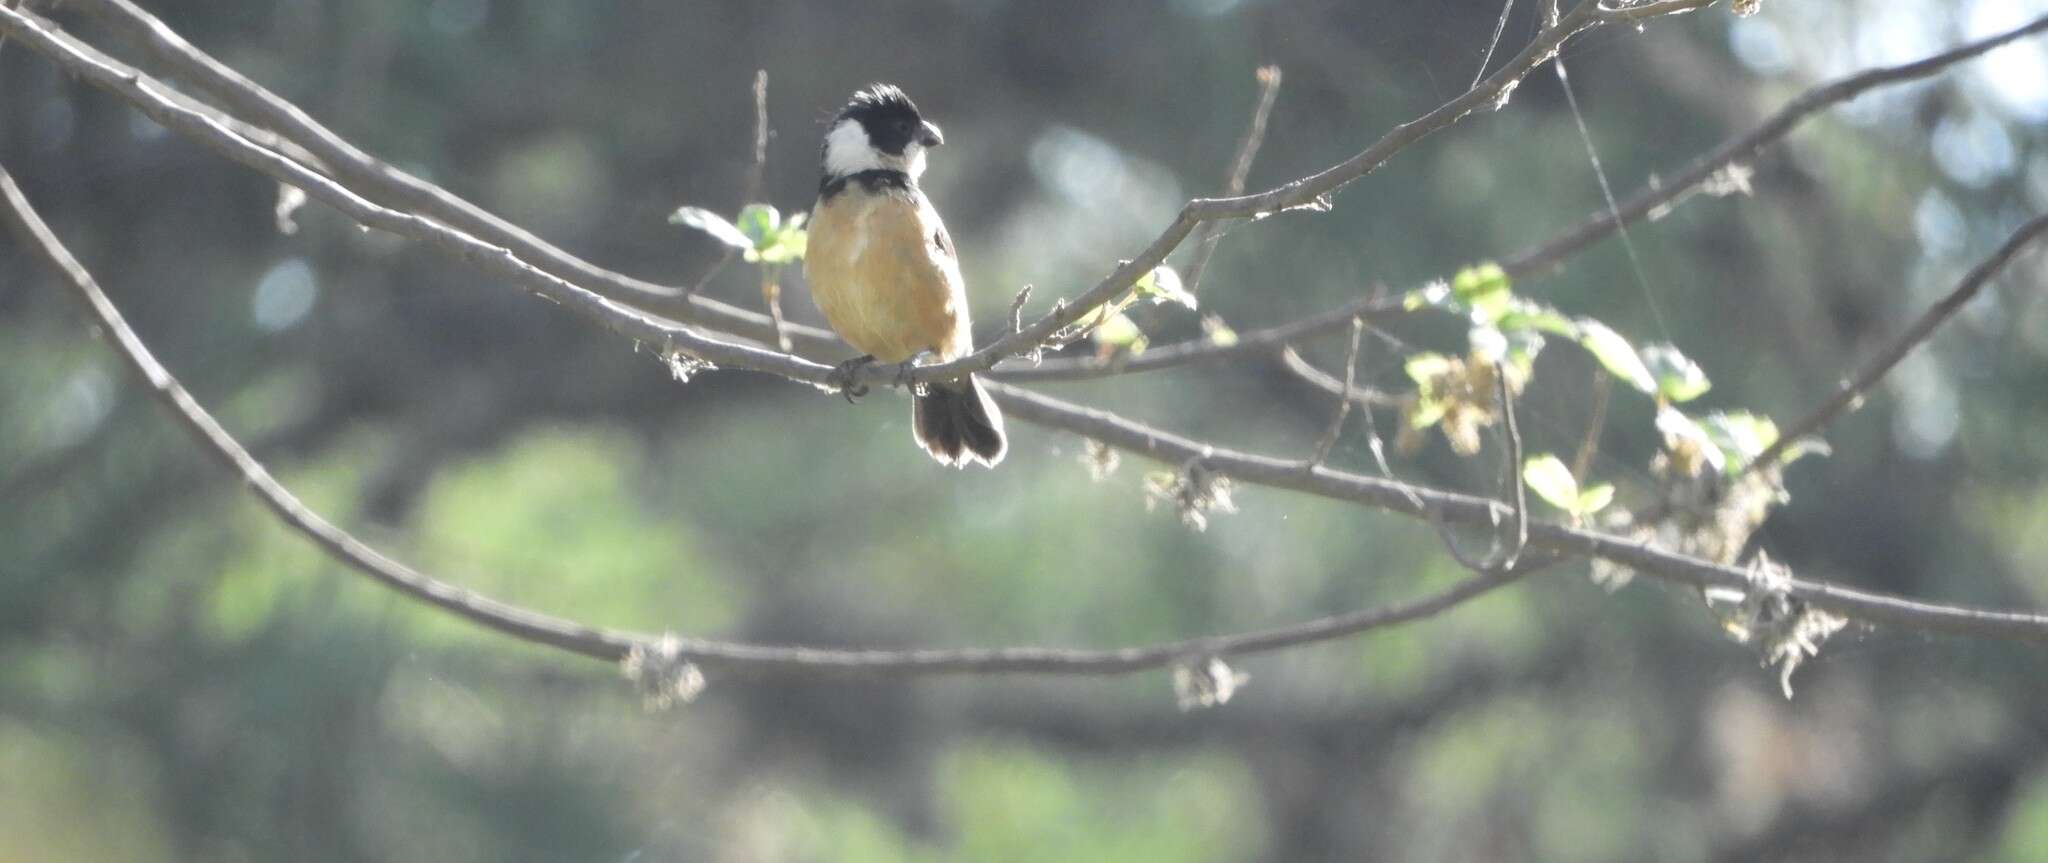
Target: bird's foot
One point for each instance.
(843, 377)
(909, 367)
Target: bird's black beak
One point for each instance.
(929, 135)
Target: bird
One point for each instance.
(884, 272)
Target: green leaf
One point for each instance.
(1488, 308)
(1484, 290)
(1547, 476)
(1478, 281)
(711, 223)
(788, 244)
(1163, 285)
(1616, 354)
(1741, 435)
(1120, 332)
(760, 223)
(1678, 378)
(1595, 499)
(1527, 316)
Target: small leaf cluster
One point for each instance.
(760, 232)
(1114, 332)
(1547, 476)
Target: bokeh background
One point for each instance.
(181, 679)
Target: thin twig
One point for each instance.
(1689, 180)
(1364, 397)
(1240, 168)
(1203, 349)
(1514, 478)
(1651, 198)
(1498, 27)
(750, 192)
(1596, 422)
(1851, 391)
(1344, 398)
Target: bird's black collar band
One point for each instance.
(872, 180)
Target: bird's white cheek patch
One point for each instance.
(847, 150)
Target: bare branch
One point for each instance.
(1596, 421)
(1651, 198)
(1507, 8)
(1520, 539)
(1344, 398)
(1240, 168)
(1322, 380)
(531, 253)
(385, 184)
(153, 99)
(1312, 192)
(1688, 181)
(1418, 502)
(748, 194)
(1851, 391)
(1204, 350)
(36, 237)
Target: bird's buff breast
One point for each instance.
(877, 280)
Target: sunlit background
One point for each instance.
(180, 678)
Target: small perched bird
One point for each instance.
(884, 272)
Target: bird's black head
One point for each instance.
(890, 119)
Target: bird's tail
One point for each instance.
(957, 423)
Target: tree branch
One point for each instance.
(36, 237)
(1851, 391)
(533, 254)
(1657, 195)
(1240, 168)
(1652, 198)
(1202, 351)
(508, 263)
(748, 193)
(1419, 502)
(384, 183)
